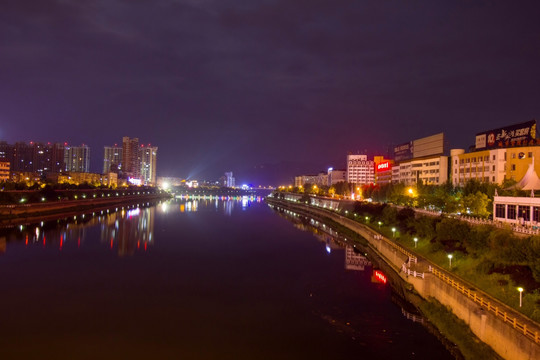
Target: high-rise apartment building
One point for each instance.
(148, 158)
(112, 159)
(34, 157)
(77, 158)
(131, 164)
(360, 170)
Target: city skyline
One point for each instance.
(264, 90)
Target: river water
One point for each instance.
(197, 279)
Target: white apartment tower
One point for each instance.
(148, 156)
(360, 170)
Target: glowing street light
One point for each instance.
(367, 218)
(520, 289)
(393, 232)
(449, 261)
(380, 223)
(415, 241)
(410, 191)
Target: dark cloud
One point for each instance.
(232, 85)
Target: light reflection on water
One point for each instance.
(226, 277)
(127, 230)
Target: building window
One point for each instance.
(493, 179)
(493, 157)
(530, 154)
(493, 169)
(511, 212)
(524, 212)
(513, 155)
(499, 211)
(536, 213)
(513, 167)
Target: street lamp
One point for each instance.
(380, 223)
(415, 241)
(393, 232)
(449, 261)
(367, 218)
(520, 289)
(410, 191)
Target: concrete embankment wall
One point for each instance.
(504, 337)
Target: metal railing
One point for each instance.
(410, 272)
(522, 328)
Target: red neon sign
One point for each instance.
(384, 166)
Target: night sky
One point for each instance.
(264, 88)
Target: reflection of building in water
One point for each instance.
(354, 260)
(228, 207)
(2, 244)
(132, 229)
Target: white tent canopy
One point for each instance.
(530, 180)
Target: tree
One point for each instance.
(477, 204)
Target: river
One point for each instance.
(198, 279)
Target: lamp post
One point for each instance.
(393, 232)
(520, 289)
(415, 242)
(367, 219)
(449, 261)
(380, 223)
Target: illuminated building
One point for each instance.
(131, 165)
(421, 160)
(484, 166)
(4, 170)
(383, 170)
(77, 178)
(112, 159)
(34, 157)
(109, 179)
(516, 210)
(148, 158)
(335, 176)
(360, 170)
(319, 179)
(498, 154)
(6, 152)
(77, 158)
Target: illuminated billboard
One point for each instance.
(383, 166)
(515, 135)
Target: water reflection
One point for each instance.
(225, 204)
(355, 260)
(125, 230)
(130, 230)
